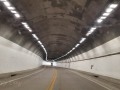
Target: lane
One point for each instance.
(7, 80)
(67, 80)
(38, 81)
(52, 79)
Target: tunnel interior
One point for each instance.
(56, 27)
(59, 44)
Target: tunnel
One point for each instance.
(59, 45)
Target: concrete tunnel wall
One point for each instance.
(103, 60)
(14, 58)
(17, 52)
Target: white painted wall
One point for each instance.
(65, 65)
(15, 58)
(46, 63)
(106, 66)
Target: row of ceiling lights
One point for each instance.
(13, 10)
(107, 12)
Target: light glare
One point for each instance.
(82, 40)
(99, 20)
(73, 49)
(40, 42)
(30, 30)
(109, 10)
(17, 15)
(77, 45)
(11, 8)
(113, 5)
(91, 31)
(35, 36)
(103, 17)
(106, 14)
(13, 11)
(6, 3)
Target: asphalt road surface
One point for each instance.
(49, 79)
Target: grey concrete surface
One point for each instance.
(69, 81)
(44, 80)
(37, 81)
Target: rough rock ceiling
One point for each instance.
(60, 24)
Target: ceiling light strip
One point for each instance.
(107, 12)
(77, 45)
(13, 10)
(34, 36)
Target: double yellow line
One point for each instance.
(52, 83)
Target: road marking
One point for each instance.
(52, 83)
(21, 77)
(90, 80)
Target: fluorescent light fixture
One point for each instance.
(66, 54)
(30, 30)
(35, 36)
(103, 17)
(99, 20)
(113, 5)
(42, 46)
(44, 49)
(88, 34)
(24, 23)
(106, 14)
(93, 28)
(40, 42)
(91, 31)
(27, 26)
(17, 15)
(70, 51)
(13, 11)
(11, 8)
(109, 10)
(77, 45)
(82, 40)
(73, 49)
(6, 3)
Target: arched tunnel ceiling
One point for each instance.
(57, 23)
(60, 24)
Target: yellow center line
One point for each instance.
(52, 83)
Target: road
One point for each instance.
(50, 79)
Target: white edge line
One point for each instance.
(91, 80)
(20, 78)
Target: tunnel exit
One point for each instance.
(49, 63)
